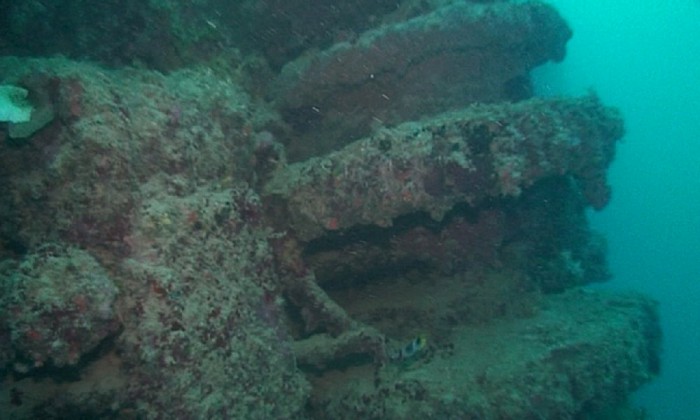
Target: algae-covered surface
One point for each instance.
(537, 365)
(221, 220)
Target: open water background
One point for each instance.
(643, 56)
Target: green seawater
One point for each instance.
(644, 57)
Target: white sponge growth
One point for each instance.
(14, 106)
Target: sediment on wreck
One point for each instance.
(465, 156)
(579, 356)
(466, 228)
(430, 266)
(461, 53)
(135, 268)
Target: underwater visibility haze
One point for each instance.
(644, 57)
(357, 210)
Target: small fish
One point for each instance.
(411, 349)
